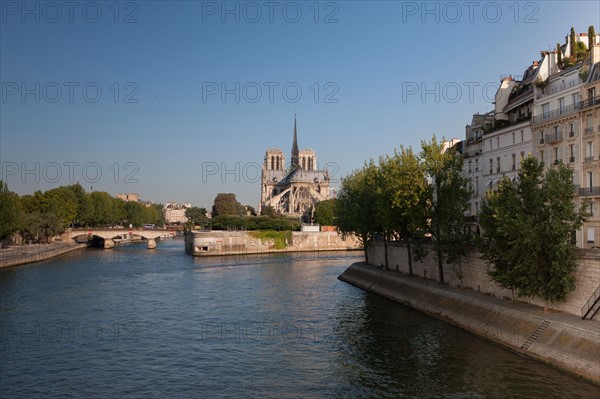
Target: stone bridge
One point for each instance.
(108, 235)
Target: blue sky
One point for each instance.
(129, 98)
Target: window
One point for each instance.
(470, 166)
(546, 111)
(590, 239)
(477, 165)
(491, 166)
(561, 105)
(556, 155)
(477, 207)
(571, 153)
(522, 156)
(514, 161)
(542, 156)
(589, 121)
(589, 150)
(497, 142)
(513, 137)
(477, 186)
(575, 98)
(571, 129)
(498, 165)
(591, 209)
(522, 136)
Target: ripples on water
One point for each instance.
(136, 323)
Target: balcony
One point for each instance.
(588, 131)
(555, 113)
(571, 159)
(571, 134)
(552, 138)
(589, 191)
(589, 159)
(590, 102)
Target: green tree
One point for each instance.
(527, 231)
(573, 39)
(39, 227)
(63, 203)
(407, 195)
(227, 204)
(325, 212)
(196, 216)
(104, 213)
(355, 204)
(447, 199)
(9, 211)
(85, 211)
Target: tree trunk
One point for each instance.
(385, 246)
(440, 266)
(410, 265)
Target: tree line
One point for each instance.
(421, 199)
(42, 215)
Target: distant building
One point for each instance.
(175, 213)
(133, 197)
(296, 189)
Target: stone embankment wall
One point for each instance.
(207, 243)
(551, 340)
(473, 271)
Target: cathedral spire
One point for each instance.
(295, 155)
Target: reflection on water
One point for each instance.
(139, 323)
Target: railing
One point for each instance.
(571, 134)
(588, 130)
(587, 191)
(571, 159)
(569, 109)
(590, 102)
(553, 137)
(590, 305)
(589, 159)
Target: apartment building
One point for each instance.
(566, 124)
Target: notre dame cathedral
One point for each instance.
(293, 190)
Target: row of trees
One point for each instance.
(409, 197)
(421, 200)
(41, 215)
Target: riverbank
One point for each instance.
(559, 339)
(25, 254)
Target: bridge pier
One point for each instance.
(108, 243)
(151, 243)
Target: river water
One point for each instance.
(132, 322)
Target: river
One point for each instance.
(132, 322)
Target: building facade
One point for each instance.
(293, 190)
(566, 124)
(175, 213)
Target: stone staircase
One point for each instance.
(535, 335)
